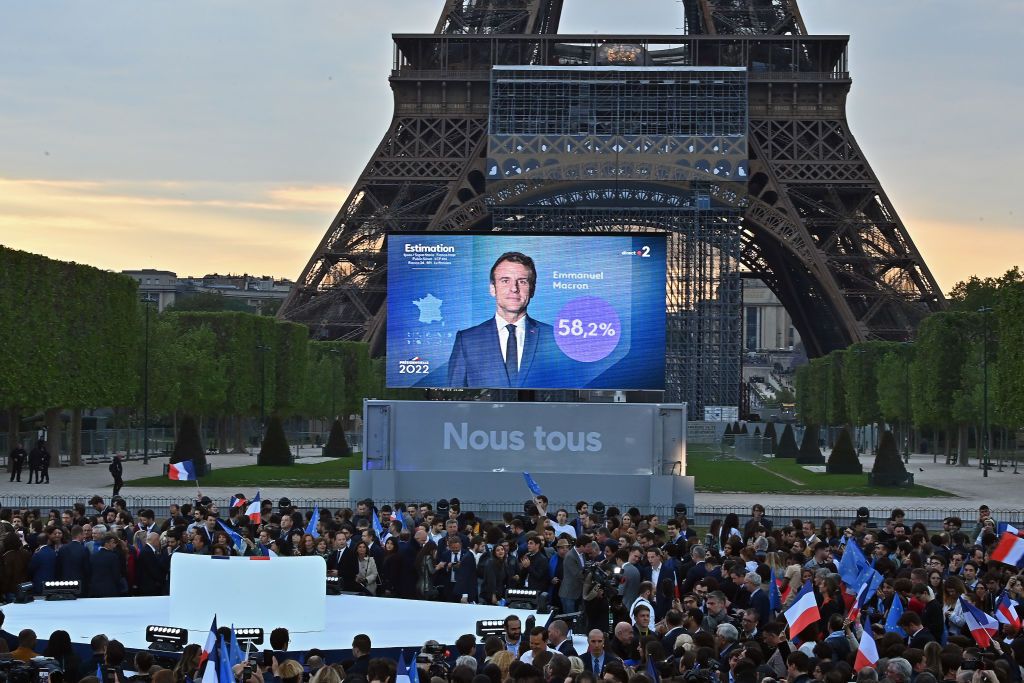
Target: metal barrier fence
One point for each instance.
(700, 515)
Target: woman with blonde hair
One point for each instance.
(326, 674)
(952, 588)
(503, 660)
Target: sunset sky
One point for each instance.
(223, 137)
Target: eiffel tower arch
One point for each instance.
(797, 205)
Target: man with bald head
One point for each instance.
(151, 569)
(596, 657)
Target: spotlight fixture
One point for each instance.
(166, 638)
(62, 590)
(23, 593)
(490, 627)
(521, 598)
(249, 636)
(334, 585)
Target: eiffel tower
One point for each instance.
(810, 218)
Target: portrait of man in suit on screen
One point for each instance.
(509, 349)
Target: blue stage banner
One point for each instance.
(531, 311)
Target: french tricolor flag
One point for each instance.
(858, 604)
(253, 511)
(237, 501)
(982, 626)
(804, 611)
(1006, 610)
(181, 471)
(867, 651)
(1010, 549)
(211, 643)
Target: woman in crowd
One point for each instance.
(366, 569)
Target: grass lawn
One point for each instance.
(715, 474)
(324, 474)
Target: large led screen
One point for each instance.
(526, 311)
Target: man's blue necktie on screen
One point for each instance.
(512, 355)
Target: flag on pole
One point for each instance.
(253, 511)
(652, 671)
(867, 651)
(895, 612)
(1006, 610)
(314, 521)
(414, 672)
(399, 515)
(224, 672)
(804, 610)
(237, 501)
(211, 643)
(1010, 550)
(1003, 527)
(181, 471)
(982, 626)
(774, 597)
(531, 484)
(234, 651)
(236, 538)
(858, 604)
(378, 528)
(851, 566)
(402, 671)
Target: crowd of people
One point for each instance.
(654, 598)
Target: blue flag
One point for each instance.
(224, 672)
(375, 520)
(314, 521)
(774, 597)
(99, 671)
(235, 652)
(652, 671)
(895, 612)
(236, 538)
(401, 669)
(400, 516)
(533, 486)
(851, 565)
(873, 580)
(414, 674)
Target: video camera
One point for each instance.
(705, 674)
(435, 656)
(607, 580)
(33, 671)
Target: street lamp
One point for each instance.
(986, 464)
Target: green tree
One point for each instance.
(787, 444)
(836, 412)
(1009, 367)
(810, 451)
(274, 450)
(937, 375)
(337, 446)
(208, 302)
(888, 469)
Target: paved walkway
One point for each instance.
(1001, 490)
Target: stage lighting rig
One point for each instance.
(166, 638)
(334, 585)
(62, 590)
(247, 637)
(23, 593)
(522, 598)
(490, 627)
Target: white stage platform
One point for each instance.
(389, 622)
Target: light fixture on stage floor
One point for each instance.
(166, 638)
(490, 627)
(62, 590)
(569, 618)
(23, 593)
(249, 636)
(522, 598)
(334, 585)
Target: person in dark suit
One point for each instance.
(150, 568)
(18, 456)
(456, 572)
(570, 589)
(758, 599)
(918, 636)
(342, 562)
(558, 638)
(596, 657)
(107, 570)
(35, 463)
(43, 565)
(73, 560)
(511, 349)
(117, 472)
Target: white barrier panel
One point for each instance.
(237, 590)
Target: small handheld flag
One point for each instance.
(892, 621)
(1006, 610)
(253, 512)
(531, 484)
(982, 626)
(867, 651)
(378, 528)
(1010, 550)
(237, 501)
(858, 604)
(181, 471)
(236, 538)
(211, 642)
(774, 597)
(234, 651)
(652, 671)
(314, 522)
(804, 610)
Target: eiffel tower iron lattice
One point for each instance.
(812, 220)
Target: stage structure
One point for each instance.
(732, 139)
